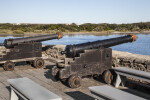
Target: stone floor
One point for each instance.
(44, 78)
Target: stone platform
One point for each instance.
(44, 78)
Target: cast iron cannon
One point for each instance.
(74, 50)
(10, 43)
(91, 58)
(27, 49)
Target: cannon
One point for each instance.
(10, 43)
(27, 49)
(88, 59)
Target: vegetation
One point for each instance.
(88, 27)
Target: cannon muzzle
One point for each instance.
(73, 50)
(9, 43)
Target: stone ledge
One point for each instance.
(135, 61)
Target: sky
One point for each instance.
(74, 11)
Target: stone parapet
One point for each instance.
(135, 61)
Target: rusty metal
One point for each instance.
(60, 35)
(38, 63)
(9, 66)
(134, 37)
(74, 81)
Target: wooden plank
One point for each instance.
(4, 92)
(3, 77)
(1, 98)
(4, 86)
(12, 74)
(61, 88)
(43, 77)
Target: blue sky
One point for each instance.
(77, 11)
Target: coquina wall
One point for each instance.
(135, 61)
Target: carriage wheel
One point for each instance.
(74, 81)
(9, 66)
(107, 77)
(38, 63)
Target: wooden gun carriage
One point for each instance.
(24, 49)
(91, 58)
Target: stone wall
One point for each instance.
(55, 51)
(135, 61)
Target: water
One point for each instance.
(141, 46)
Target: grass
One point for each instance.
(109, 32)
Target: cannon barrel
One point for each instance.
(9, 43)
(74, 50)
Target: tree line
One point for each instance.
(87, 27)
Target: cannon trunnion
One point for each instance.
(91, 58)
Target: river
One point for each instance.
(141, 46)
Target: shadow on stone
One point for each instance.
(8, 88)
(101, 97)
(48, 73)
(21, 63)
(99, 79)
(77, 95)
(137, 88)
(137, 93)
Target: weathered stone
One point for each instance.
(55, 51)
(135, 61)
